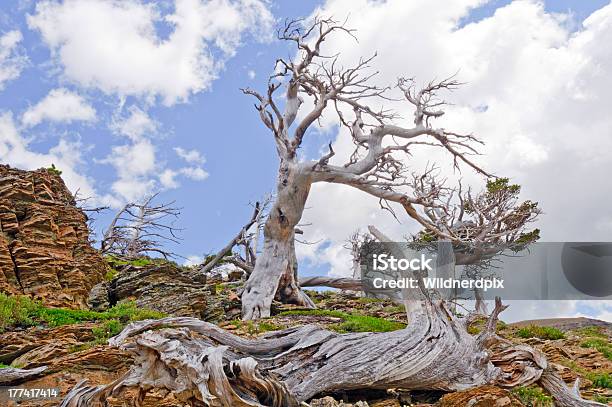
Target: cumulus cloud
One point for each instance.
(535, 93)
(136, 126)
(194, 173)
(191, 156)
(60, 105)
(12, 61)
(66, 155)
(137, 165)
(115, 46)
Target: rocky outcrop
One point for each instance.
(484, 396)
(44, 240)
(160, 286)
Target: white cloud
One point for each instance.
(168, 179)
(193, 260)
(251, 74)
(136, 126)
(138, 167)
(60, 105)
(536, 94)
(11, 61)
(114, 45)
(194, 173)
(66, 155)
(191, 156)
(134, 164)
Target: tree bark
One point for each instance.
(201, 363)
(275, 272)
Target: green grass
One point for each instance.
(110, 274)
(394, 309)
(22, 311)
(602, 399)
(478, 325)
(591, 331)
(602, 345)
(107, 330)
(3, 366)
(532, 396)
(16, 311)
(602, 380)
(351, 322)
(542, 332)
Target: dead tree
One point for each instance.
(470, 229)
(203, 364)
(140, 229)
(477, 227)
(377, 166)
(247, 238)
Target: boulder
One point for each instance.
(162, 286)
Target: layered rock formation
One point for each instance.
(44, 240)
(159, 286)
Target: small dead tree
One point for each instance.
(247, 238)
(139, 229)
(377, 167)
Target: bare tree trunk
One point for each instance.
(275, 272)
(481, 305)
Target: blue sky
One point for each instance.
(232, 159)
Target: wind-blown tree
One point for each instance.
(377, 167)
(465, 229)
(140, 229)
(477, 228)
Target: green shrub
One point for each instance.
(532, 396)
(63, 316)
(542, 332)
(591, 331)
(602, 345)
(107, 330)
(54, 170)
(16, 311)
(130, 312)
(603, 380)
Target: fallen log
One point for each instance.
(12, 375)
(204, 364)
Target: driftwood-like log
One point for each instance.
(13, 375)
(203, 364)
(343, 283)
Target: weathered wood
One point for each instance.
(201, 363)
(12, 374)
(230, 245)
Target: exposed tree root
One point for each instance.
(204, 365)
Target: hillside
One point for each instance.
(61, 302)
